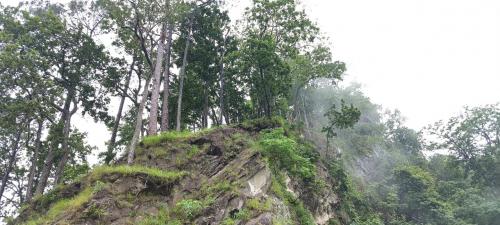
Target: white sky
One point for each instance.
(427, 58)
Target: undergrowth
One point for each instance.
(284, 152)
(63, 207)
(287, 153)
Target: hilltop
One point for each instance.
(259, 172)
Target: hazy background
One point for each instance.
(427, 58)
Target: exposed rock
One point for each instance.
(259, 183)
(263, 219)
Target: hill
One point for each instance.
(254, 173)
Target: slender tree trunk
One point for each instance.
(166, 81)
(138, 123)
(34, 158)
(49, 159)
(12, 159)
(205, 107)
(267, 103)
(112, 141)
(155, 95)
(222, 83)
(181, 80)
(65, 144)
(44, 175)
(213, 116)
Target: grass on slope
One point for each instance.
(62, 207)
(69, 205)
(174, 136)
(153, 173)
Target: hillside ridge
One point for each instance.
(253, 173)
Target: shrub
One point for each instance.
(283, 152)
(188, 208)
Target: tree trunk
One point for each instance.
(155, 95)
(65, 144)
(266, 103)
(205, 107)
(44, 175)
(222, 83)
(166, 82)
(109, 154)
(181, 80)
(138, 123)
(34, 158)
(10, 165)
(49, 159)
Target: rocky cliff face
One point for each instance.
(220, 176)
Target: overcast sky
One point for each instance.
(427, 58)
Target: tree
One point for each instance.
(474, 139)
(342, 118)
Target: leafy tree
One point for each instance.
(474, 139)
(342, 118)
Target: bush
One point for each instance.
(188, 208)
(284, 153)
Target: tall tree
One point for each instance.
(182, 74)
(165, 117)
(155, 95)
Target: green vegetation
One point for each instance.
(166, 137)
(284, 153)
(255, 204)
(162, 218)
(152, 173)
(188, 209)
(278, 187)
(63, 207)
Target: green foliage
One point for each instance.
(343, 118)
(283, 152)
(474, 140)
(188, 208)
